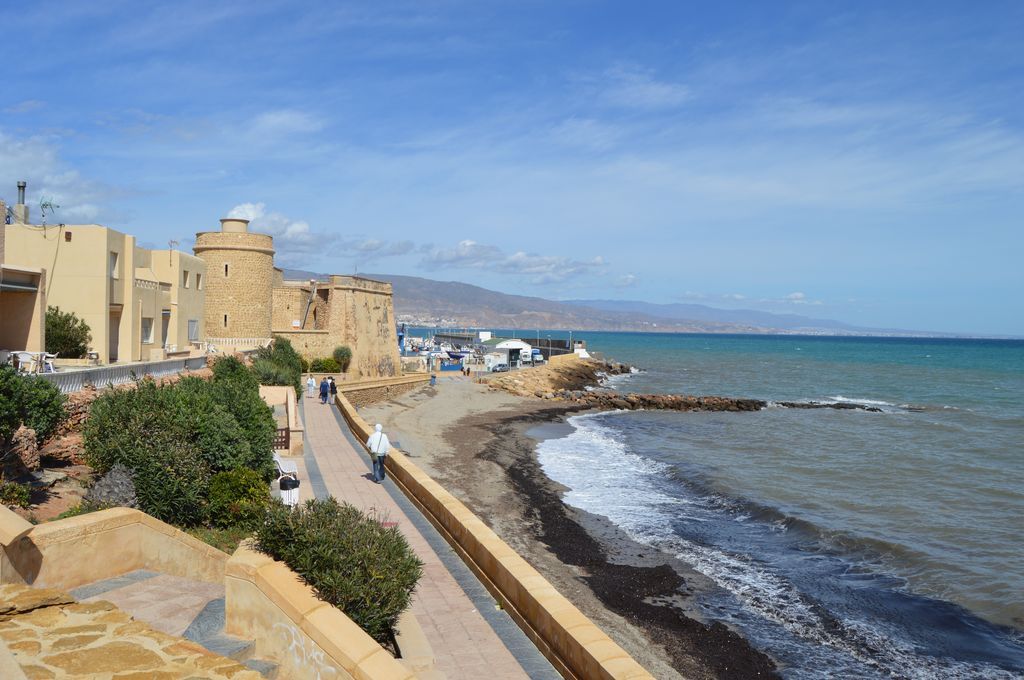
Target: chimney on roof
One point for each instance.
(21, 210)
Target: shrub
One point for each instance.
(343, 355)
(28, 400)
(279, 362)
(304, 364)
(349, 559)
(66, 334)
(173, 438)
(238, 498)
(12, 493)
(83, 508)
(328, 365)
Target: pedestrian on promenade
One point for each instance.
(334, 389)
(310, 386)
(325, 389)
(379, 446)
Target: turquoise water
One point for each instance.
(849, 543)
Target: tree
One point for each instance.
(66, 334)
(343, 355)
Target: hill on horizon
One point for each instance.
(428, 302)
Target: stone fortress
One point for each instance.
(248, 302)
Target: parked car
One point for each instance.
(499, 368)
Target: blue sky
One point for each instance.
(860, 161)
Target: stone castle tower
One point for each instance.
(239, 281)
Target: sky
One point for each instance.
(859, 161)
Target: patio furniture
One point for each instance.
(48, 366)
(27, 362)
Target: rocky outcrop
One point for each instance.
(22, 454)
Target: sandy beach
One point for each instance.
(480, 444)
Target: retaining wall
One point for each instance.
(75, 551)
(366, 392)
(576, 647)
(267, 602)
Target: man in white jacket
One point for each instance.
(379, 446)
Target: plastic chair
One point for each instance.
(26, 362)
(48, 366)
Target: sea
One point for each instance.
(842, 543)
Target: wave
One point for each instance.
(645, 499)
(840, 399)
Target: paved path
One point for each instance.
(469, 637)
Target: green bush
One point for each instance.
(12, 493)
(349, 559)
(304, 365)
(238, 498)
(83, 508)
(328, 365)
(278, 364)
(174, 438)
(28, 400)
(343, 355)
(66, 334)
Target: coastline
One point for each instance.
(481, 445)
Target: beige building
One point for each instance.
(22, 302)
(248, 302)
(140, 304)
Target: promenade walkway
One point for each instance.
(470, 637)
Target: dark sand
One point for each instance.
(481, 446)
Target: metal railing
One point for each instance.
(282, 439)
(118, 374)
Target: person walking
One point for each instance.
(325, 389)
(334, 389)
(310, 386)
(379, 446)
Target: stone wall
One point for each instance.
(365, 320)
(364, 396)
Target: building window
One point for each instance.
(184, 278)
(147, 330)
(114, 273)
(193, 330)
(225, 270)
(199, 281)
(225, 321)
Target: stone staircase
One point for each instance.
(207, 629)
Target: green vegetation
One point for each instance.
(343, 355)
(12, 493)
(278, 364)
(238, 498)
(327, 365)
(83, 508)
(66, 334)
(349, 559)
(28, 400)
(175, 438)
(225, 540)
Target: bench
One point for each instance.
(287, 480)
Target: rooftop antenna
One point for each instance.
(171, 245)
(46, 205)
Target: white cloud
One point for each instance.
(538, 269)
(734, 296)
(632, 87)
(26, 106)
(36, 160)
(796, 297)
(626, 280)
(284, 122)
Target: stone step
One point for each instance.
(207, 629)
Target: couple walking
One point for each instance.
(328, 388)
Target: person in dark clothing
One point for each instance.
(325, 389)
(334, 389)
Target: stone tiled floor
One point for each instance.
(167, 603)
(464, 643)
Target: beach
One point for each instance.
(480, 444)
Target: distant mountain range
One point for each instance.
(426, 302)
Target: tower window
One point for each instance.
(225, 270)
(225, 321)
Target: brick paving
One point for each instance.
(464, 643)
